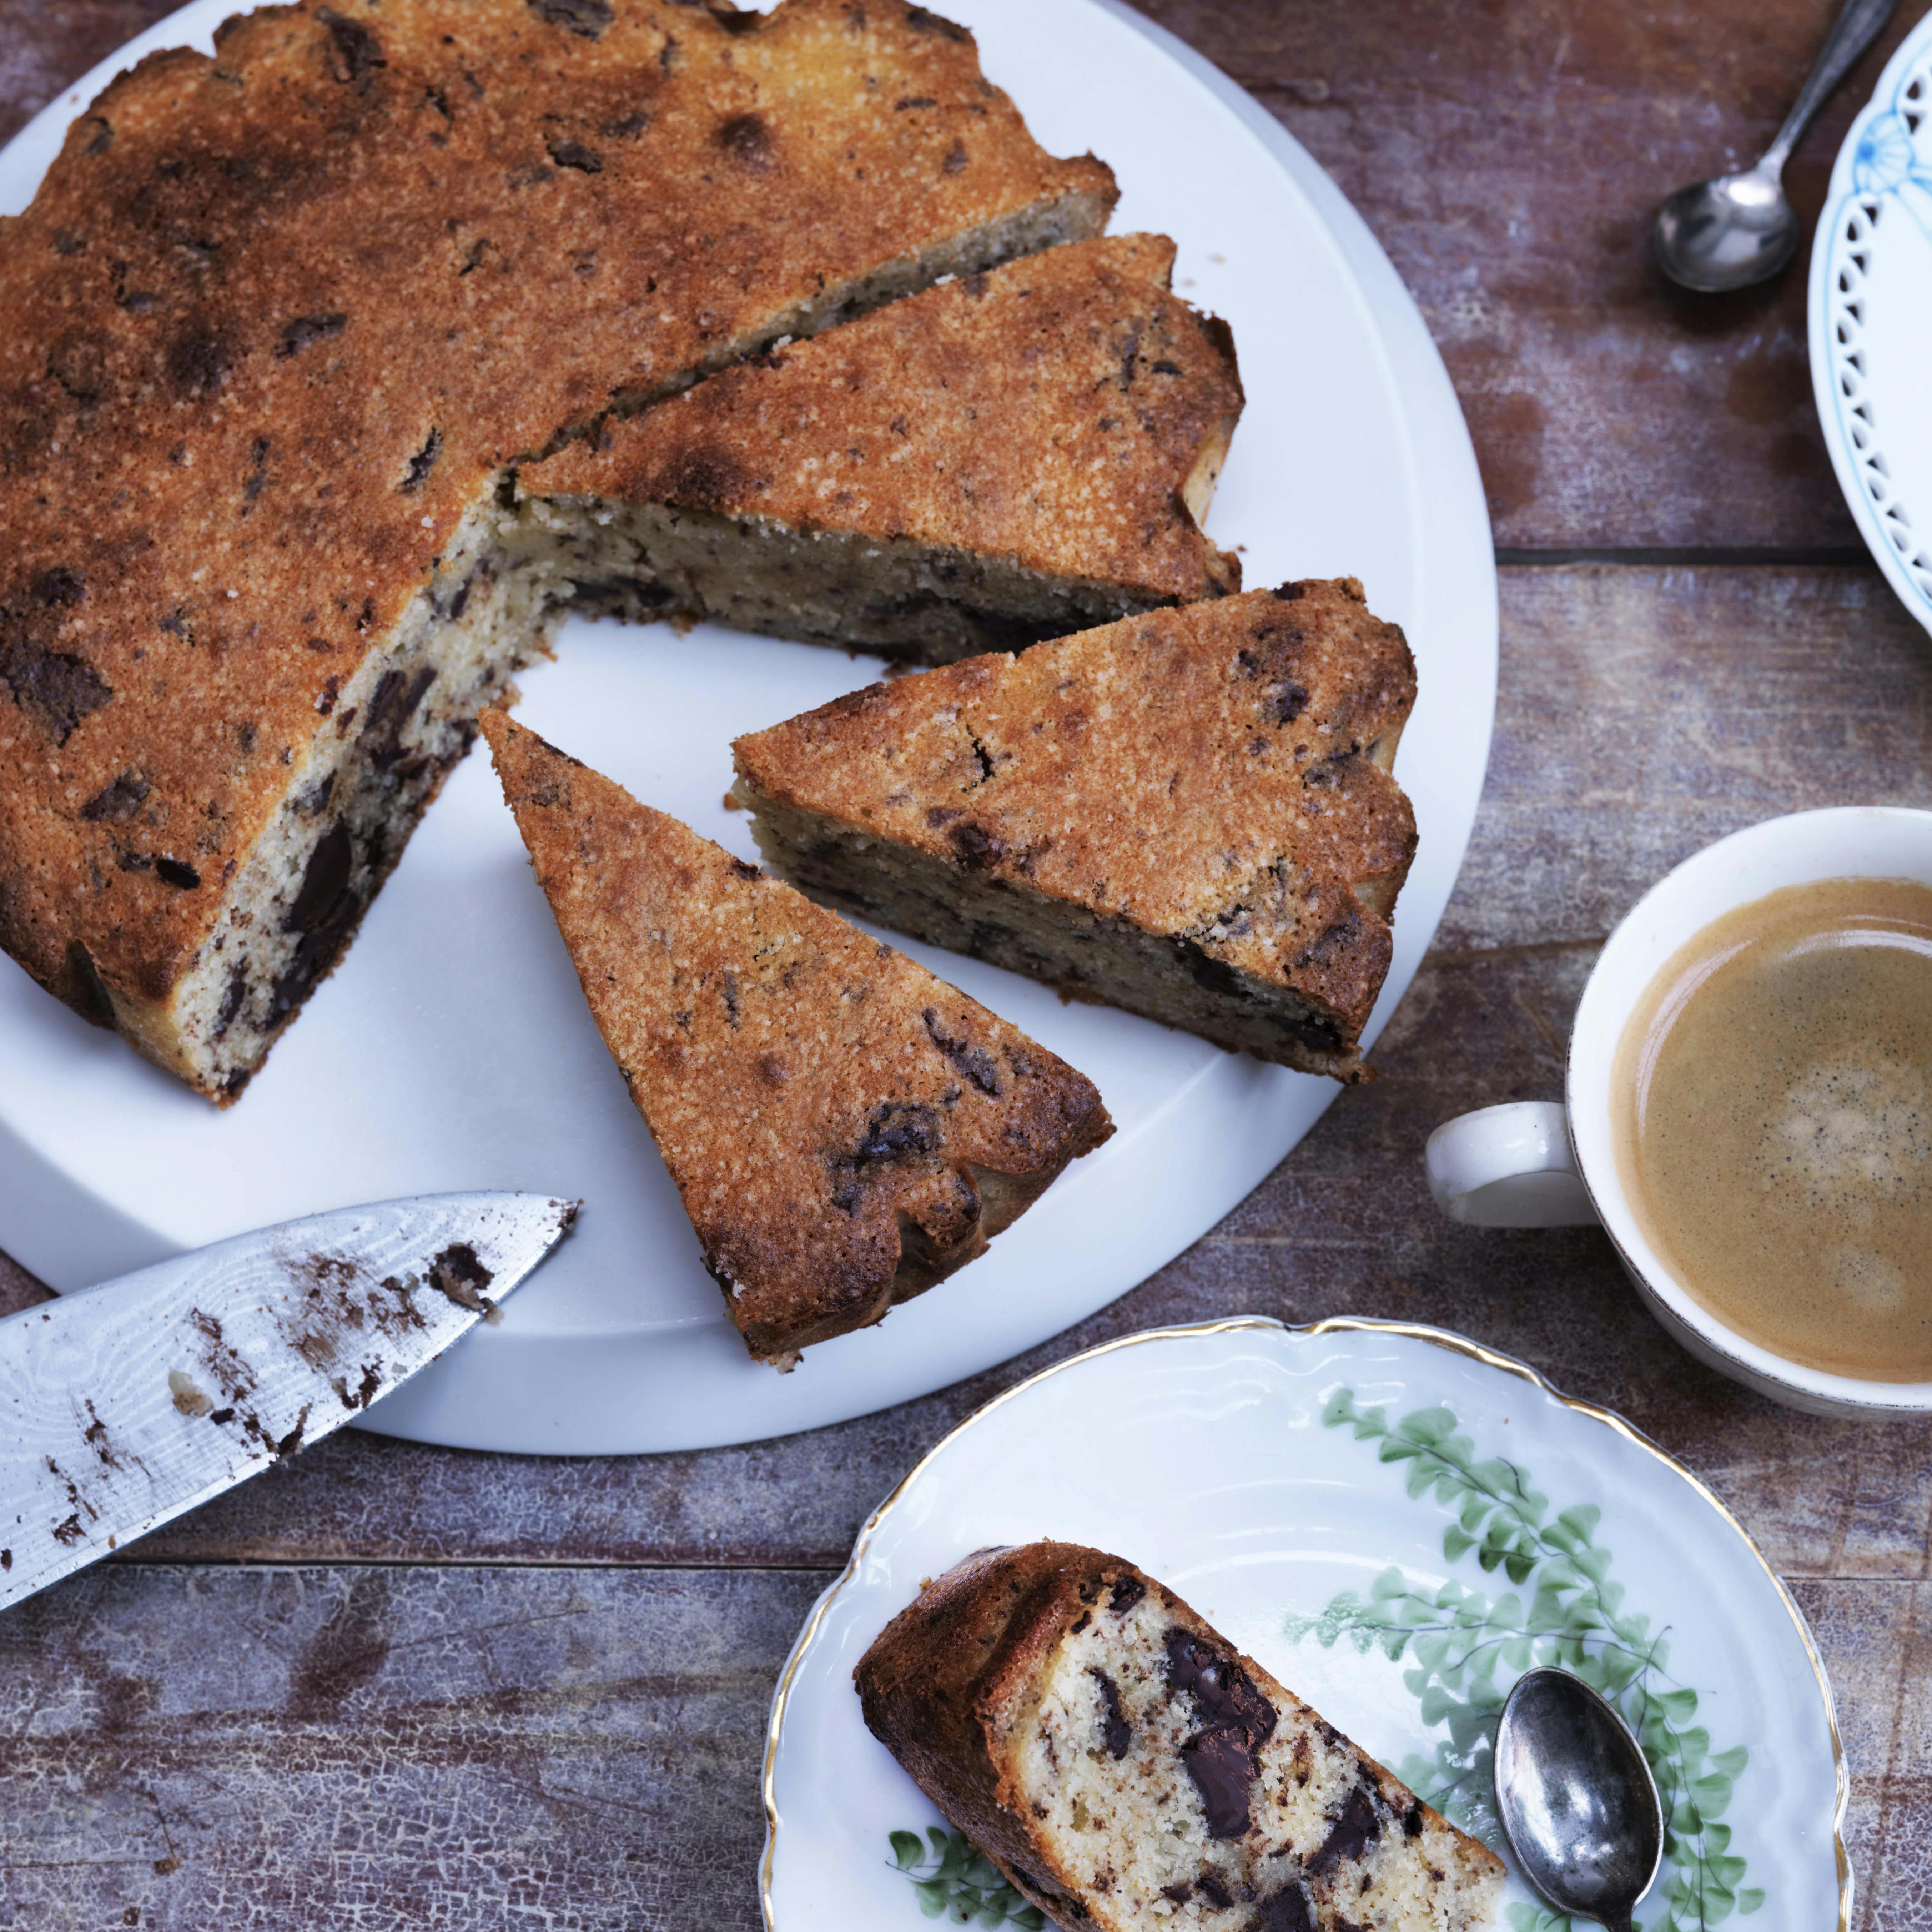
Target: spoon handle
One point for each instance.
(1858, 26)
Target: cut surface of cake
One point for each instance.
(1128, 1769)
(844, 1129)
(1011, 457)
(1188, 814)
(278, 321)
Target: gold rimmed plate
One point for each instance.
(1396, 1522)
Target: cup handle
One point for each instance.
(1508, 1167)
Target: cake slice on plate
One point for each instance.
(1188, 814)
(1010, 457)
(1128, 1769)
(279, 322)
(844, 1129)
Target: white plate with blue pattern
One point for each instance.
(1396, 1522)
(1871, 321)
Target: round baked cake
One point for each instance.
(280, 322)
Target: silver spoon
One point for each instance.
(1739, 229)
(1577, 1801)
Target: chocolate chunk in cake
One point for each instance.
(1011, 457)
(844, 1129)
(1128, 1769)
(1188, 814)
(279, 322)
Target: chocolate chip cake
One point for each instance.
(1010, 457)
(845, 1130)
(1127, 1767)
(279, 323)
(1188, 814)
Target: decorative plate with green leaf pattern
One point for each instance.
(1397, 1523)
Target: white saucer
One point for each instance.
(453, 1050)
(1397, 1523)
(1871, 321)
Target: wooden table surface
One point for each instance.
(391, 1686)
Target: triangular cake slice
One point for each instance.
(1128, 1769)
(1188, 814)
(844, 1129)
(278, 323)
(1010, 457)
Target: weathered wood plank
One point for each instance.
(1876, 1642)
(45, 44)
(1645, 712)
(1509, 158)
(453, 1748)
(18, 1288)
(466, 1748)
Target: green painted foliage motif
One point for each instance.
(957, 1881)
(1465, 1647)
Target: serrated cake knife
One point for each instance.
(125, 1404)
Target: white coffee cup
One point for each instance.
(1536, 1164)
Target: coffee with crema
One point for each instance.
(1773, 1092)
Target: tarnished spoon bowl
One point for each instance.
(1726, 234)
(1577, 1801)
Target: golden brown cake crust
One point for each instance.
(1051, 411)
(952, 1684)
(1210, 774)
(276, 317)
(844, 1129)
(962, 1654)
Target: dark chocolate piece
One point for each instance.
(974, 1062)
(1223, 1765)
(119, 801)
(1222, 1758)
(1287, 1911)
(1117, 1733)
(1351, 1828)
